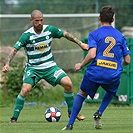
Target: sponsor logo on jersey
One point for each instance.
(107, 64)
(41, 47)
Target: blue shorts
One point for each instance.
(90, 87)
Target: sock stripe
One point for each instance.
(68, 94)
(21, 97)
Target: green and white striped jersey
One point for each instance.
(38, 46)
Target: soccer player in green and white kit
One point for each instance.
(36, 42)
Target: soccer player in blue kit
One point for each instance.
(108, 51)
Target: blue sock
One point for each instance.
(105, 102)
(77, 105)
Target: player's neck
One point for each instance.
(105, 24)
(38, 31)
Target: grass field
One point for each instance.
(116, 119)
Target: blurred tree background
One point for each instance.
(124, 8)
(66, 54)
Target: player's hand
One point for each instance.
(84, 46)
(5, 68)
(77, 66)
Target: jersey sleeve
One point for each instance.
(125, 48)
(91, 41)
(56, 32)
(21, 42)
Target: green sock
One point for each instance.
(18, 105)
(69, 98)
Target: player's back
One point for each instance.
(107, 65)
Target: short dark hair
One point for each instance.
(107, 13)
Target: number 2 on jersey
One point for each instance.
(112, 42)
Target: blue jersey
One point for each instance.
(110, 46)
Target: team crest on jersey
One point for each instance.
(47, 37)
(41, 47)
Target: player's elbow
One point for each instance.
(126, 60)
(65, 34)
(92, 56)
(92, 53)
(14, 50)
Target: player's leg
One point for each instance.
(69, 95)
(78, 101)
(55, 75)
(105, 102)
(68, 92)
(111, 90)
(87, 87)
(29, 80)
(97, 115)
(108, 96)
(20, 101)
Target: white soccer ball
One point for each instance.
(52, 114)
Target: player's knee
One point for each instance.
(25, 90)
(66, 83)
(69, 83)
(68, 87)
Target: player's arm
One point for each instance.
(10, 57)
(89, 57)
(72, 38)
(126, 60)
(126, 52)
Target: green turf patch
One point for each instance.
(116, 119)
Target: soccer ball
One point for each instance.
(52, 114)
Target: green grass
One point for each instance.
(116, 119)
